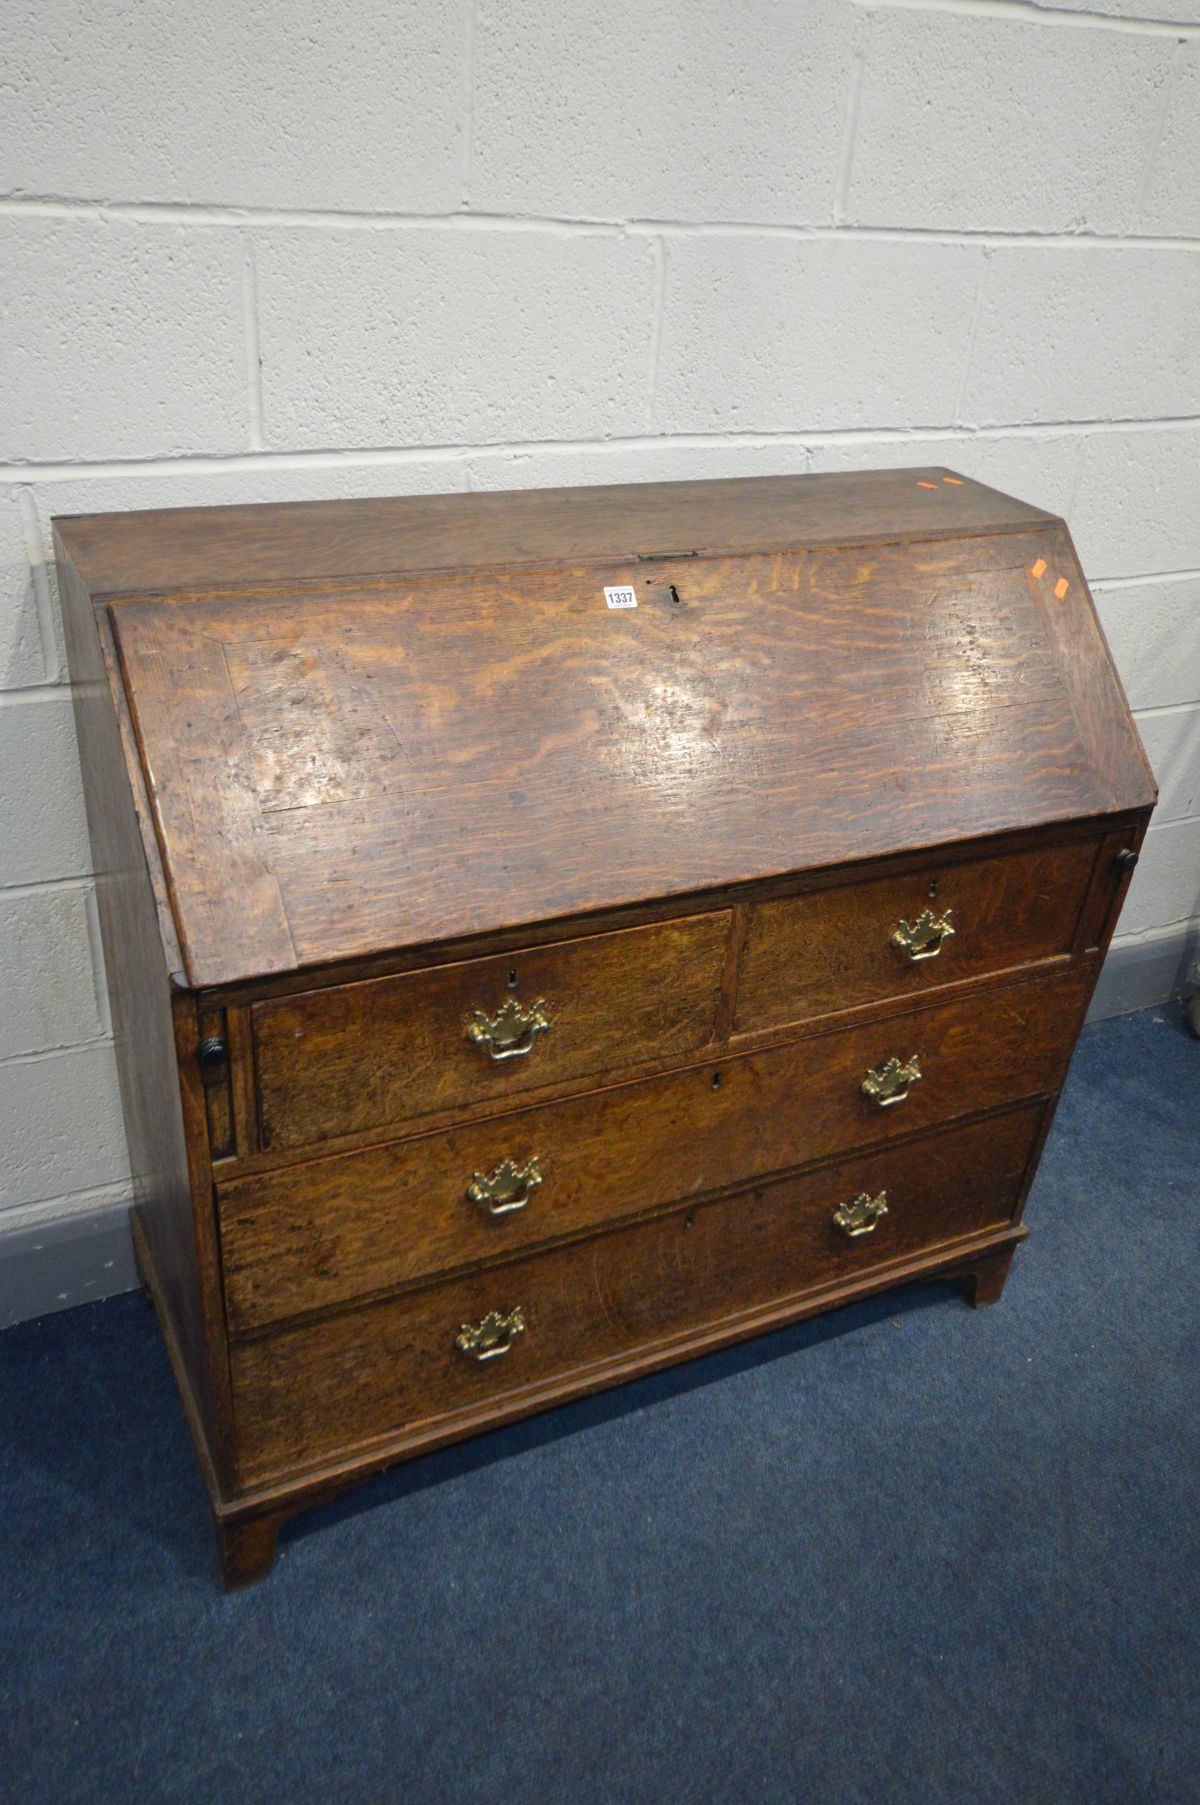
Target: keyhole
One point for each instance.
(933, 888)
(716, 1082)
(512, 977)
(674, 594)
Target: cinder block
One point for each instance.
(1172, 12)
(60, 1126)
(969, 124)
(1154, 631)
(641, 109)
(47, 984)
(287, 105)
(120, 340)
(1039, 468)
(1172, 204)
(22, 661)
(43, 829)
(1086, 334)
(1166, 884)
(1172, 743)
(1137, 507)
(422, 336)
(791, 335)
(663, 462)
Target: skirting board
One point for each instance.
(1137, 974)
(89, 1257)
(60, 1264)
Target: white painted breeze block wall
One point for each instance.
(389, 246)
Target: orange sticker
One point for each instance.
(1061, 587)
(956, 480)
(1039, 569)
(921, 485)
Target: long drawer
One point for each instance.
(840, 948)
(334, 1229)
(387, 1051)
(308, 1393)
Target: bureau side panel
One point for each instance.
(1103, 718)
(137, 938)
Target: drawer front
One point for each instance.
(306, 1394)
(385, 1052)
(808, 956)
(331, 1230)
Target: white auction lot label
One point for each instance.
(620, 597)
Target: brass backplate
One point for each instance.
(890, 1084)
(924, 937)
(508, 1189)
(494, 1335)
(860, 1215)
(511, 1032)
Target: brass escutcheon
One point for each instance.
(891, 1083)
(860, 1215)
(924, 937)
(493, 1336)
(511, 1032)
(508, 1189)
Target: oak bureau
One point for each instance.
(553, 934)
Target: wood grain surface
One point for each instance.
(358, 770)
(307, 1391)
(832, 949)
(336, 773)
(328, 1231)
(386, 1052)
(322, 541)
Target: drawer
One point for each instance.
(836, 949)
(307, 1394)
(331, 1230)
(387, 1051)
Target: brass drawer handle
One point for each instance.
(511, 1032)
(508, 1189)
(891, 1083)
(924, 937)
(860, 1216)
(488, 1339)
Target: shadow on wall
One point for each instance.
(1168, 951)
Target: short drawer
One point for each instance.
(366, 1056)
(331, 1230)
(835, 949)
(307, 1394)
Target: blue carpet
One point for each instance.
(908, 1552)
